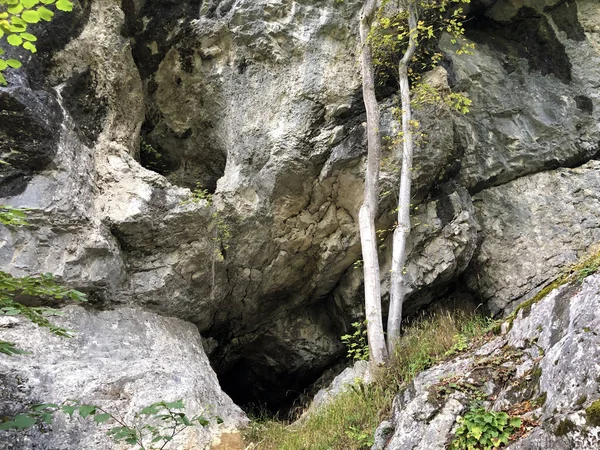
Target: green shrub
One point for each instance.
(356, 343)
(484, 430)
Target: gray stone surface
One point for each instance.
(530, 229)
(357, 373)
(121, 360)
(548, 358)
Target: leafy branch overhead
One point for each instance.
(15, 18)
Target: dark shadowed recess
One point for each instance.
(528, 36)
(191, 158)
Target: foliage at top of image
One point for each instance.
(15, 18)
(390, 36)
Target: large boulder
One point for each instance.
(530, 229)
(539, 370)
(121, 360)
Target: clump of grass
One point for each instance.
(349, 421)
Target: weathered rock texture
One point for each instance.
(122, 361)
(544, 369)
(258, 103)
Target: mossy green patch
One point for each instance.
(592, 414)
(581, 400)
(565, 426)
(585, 267)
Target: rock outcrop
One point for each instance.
(121, 360)
(543, 368)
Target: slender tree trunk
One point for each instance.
(397, 286)
(368, 210)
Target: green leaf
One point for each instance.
(23, 421)
(64, 5)
(177, 404)
(28, 37)
(515, 422)
(8, 348)
(29, 46)
(14, 40)
(48, 2)
(86, 410)
(15, 64)
(101, 418)
(45, 13)
(203, 421)
(4, 65)
(31, 16)
(3, 83)
(16, 9)
(29, 3)
(68, 409)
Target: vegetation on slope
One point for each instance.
(350, 420)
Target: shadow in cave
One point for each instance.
(262, 391)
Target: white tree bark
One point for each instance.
(397, 286)
(368, 210)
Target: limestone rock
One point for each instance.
(543, 361)
(258, 103)
(121, 360)
(526, 239)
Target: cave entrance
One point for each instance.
(260, 390)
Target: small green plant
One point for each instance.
(13, 217)
(153, 427)
(362, 438)
(15, 17)
(484, 430)
(199, 194)
(150, 157)
(43, 286)
(461, 343)
(40, 286)
(356, 343)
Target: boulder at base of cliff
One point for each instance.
(121, 360)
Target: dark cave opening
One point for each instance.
(262, 391)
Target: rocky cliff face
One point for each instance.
(257, 104)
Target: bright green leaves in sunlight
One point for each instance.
(390, 36)
(15, 17)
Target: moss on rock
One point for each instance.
(592, 414)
